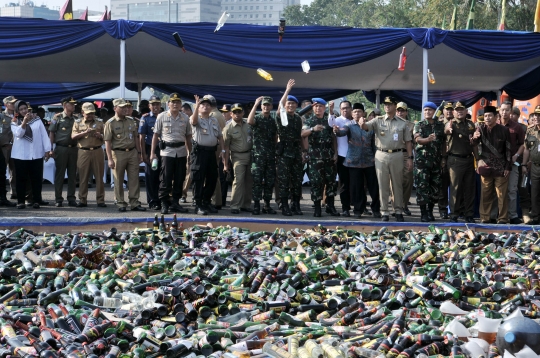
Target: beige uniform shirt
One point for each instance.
(390, 133)
(238, 136)
(206, 132)
(173, 130)
(121, 132)
(90, 140)
(6, 136)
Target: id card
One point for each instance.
(396, 137)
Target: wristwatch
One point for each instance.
(223, 151)
(312, 130)
(410, 157)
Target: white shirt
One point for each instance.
(25, 150)
(342, 142)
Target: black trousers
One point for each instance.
(172, 176)
(29, 170)
(344, 184)
(3, 167)
(359, 177)
(152, 179)
(204, 175)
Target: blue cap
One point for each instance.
(292, 98)
(319, 101)
(510, 337)
(429, 105)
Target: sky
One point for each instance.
(97, 5)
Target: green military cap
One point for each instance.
(449, 105)
(459, 105)
(267, 100)
(174, 97)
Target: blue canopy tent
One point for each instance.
(56, 58)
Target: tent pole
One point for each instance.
(424, 78)
(378, 99)
(122, 68)
(499, 98)
(139, 89)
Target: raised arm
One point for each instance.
(251, 116)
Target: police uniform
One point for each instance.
(461, 166)
(203, 166)
(217, 196)
(174, 133)
(427, 164)
(65, 155)
(263, 168)
(445, 176)
(151, 177)
(532, 143)
(322, 168)
(90, 157)
(289, 161)
(122, 135)
(391, 134)
(238, 138)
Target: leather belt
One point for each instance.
(124, 150)
(247, 151)
(174, 145)
(64, 145)
(537, 164)
(391, 150)
(90, 148)
(460, 156)
(204, 147)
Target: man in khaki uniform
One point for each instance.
(392, 138)
(238, 141)
(88, 132)
(6, 140)
(448, 115)
(65, 153)
(124, 154)
(531, 161)
(216, 197)
(402, 112)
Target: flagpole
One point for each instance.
(424, 77)
(122, 68)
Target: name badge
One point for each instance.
(130, 135)
(396, 137)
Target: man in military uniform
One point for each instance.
(238, 140)
(207, 136)
(6, 140)
(460, 163)
(175, 132)
(531, 163)
(227, 115)
(322, 156)
(392, 138)
(430, 156)
(448, 115)
(263, 168)
(65, 153)
(124, 155)
(88, 132)
(402, 111)
(289, 155)
(146, 133)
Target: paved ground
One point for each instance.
(112, 211)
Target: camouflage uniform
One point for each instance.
(427, 162)
(289, 157)
(322, 169)
(263, 166)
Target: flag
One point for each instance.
(470, 20)
(503, 16)
(453, 21)
(84, 16)
(109, 16)
(105, 15)
(66, 13)
(537, 17)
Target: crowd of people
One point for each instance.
(265, 149)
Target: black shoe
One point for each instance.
(58, 204)
(5, 202)
(502, 222)
(177, 208)
(36, 206)
(122, 209)
(423, 214)
(81, 205)
(164, 208)
(295, 208)
(317, 211)
(393, 214)
(235, 211)
(200, 210)
(138, 208)
(430, 211)
(377, 214)
(43, 203)
(248, 210)
(72, 203)
(267, 209)
(368, 212)
(533, 222)
(470, 219)
(13, 196)
(285, 210)
(407, 212)
(385, 218)
(102, 205)
(399, 218)
(256, 208)
(443, 215)
(218, 207)
(346, 213)
(210, 208)
(183, 200)
(357, 216)
(454, 219)
(21, 206)
(330, 209)
(516, 221)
